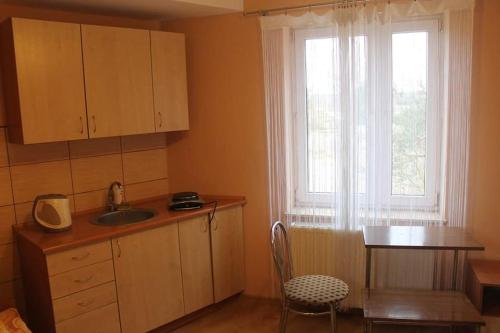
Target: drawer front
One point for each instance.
(102, 320)
(80, 279)
(79, 257)
(84, 301)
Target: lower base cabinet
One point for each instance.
(227, 253)
(102, 320)
(137, 282)
(148, 278)
(194, 236)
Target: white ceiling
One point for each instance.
(153, 9)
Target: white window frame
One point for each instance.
(435, 112)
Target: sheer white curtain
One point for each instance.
(367, 120)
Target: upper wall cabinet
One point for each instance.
(169, 81)
(43, 81)
(118, 81)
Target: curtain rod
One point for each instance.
(265, 12)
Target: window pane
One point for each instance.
(322, 78)
(409, 94)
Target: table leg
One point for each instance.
(455, 269)
(369, 327)
(368, 267)
(434, 270)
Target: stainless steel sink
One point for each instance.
(128, 216)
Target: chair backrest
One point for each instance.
(281, 253)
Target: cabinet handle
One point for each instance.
(95, 126)
(85, 303)
(85, 280)
(214, 223)
(81, 257)
(161, 119)
(119, 254)
(81, 125)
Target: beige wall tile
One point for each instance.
(4, 160)
(31, 180)
(94, 147)
(141, 166)
(95, 173)
(5, 187)
(9, 292)
(90, 200)
(43, 152)
(143, 142)
(9, 269)
(24, 210)
(7, 220)
(146, 190)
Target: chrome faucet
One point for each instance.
(115, 197)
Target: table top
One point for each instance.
(487, 271)
(424, 238)
(422, 306)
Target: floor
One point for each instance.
(245, 314)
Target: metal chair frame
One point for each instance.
(283, 262)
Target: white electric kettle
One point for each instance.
(52, 212)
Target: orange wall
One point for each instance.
(225, 150)
(484, 207)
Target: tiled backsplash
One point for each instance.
(81, 169)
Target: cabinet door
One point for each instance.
(44, 87)
(148, 278)
(118, 81)
(227, 253)
(194, 240)
(169, 81)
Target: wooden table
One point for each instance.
(418, 307)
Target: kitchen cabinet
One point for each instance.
(148, 278)
(227, 253)
(135, 277)
(194, 237)
(168, 57)
(43, 81)
(118, 81)
(67, 81)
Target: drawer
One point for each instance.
(102, 320)
(80, 279)
(84, 301)
(79, 257)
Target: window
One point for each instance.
(391, 151)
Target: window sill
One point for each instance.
(322, 218)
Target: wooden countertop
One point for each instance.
(428, 238)
(83, 232)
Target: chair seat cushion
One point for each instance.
(316, 290)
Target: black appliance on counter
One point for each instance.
(185, 201)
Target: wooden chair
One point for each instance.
(309, 295)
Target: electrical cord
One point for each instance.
(212, 214)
